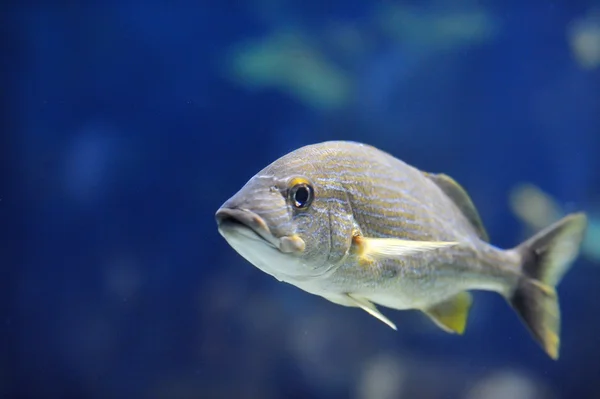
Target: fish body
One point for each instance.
(361, 228)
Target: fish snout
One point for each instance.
(242, 218)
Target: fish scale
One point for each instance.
(369, 229)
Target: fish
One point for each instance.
(353, 224)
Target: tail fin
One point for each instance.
(546, 257)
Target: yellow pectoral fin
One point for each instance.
(371, 309)
(452, 314)
(386, 248)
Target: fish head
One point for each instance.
(288, 222)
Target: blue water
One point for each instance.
(125, 128)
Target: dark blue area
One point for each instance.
(124, 132)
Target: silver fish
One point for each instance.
(361, 228)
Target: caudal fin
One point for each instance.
(546, 257)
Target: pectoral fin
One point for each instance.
(386, 248)
(452, 314)
(368, 307)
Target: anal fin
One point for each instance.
(452, 314)
(371, 309)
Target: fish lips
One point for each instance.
(250, 225)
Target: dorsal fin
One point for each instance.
(462, 200)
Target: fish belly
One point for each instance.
(405, 293)
(401, 301)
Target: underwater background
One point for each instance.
(127, 124)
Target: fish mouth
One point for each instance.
(250, 225)
(245, 223)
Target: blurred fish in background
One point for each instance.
(584, 38)
(127, 124)
(535, 208)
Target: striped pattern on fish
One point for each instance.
(359, 227)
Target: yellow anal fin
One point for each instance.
(371, 309)
(390, 248)
(452, 314)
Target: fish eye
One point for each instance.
(301, 194)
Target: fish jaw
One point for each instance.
(242, 222)
(250, 236)
(232, 221)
